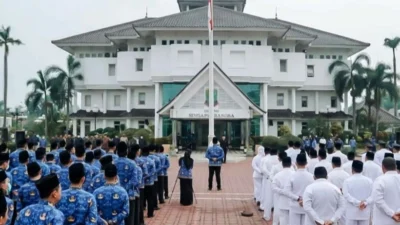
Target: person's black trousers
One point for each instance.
(211, 171)
(166, 196)
(225, 152)
(131, 216)
(160, 189)
(141, 206)
(155, 194)
(149, 197)
(136, 219)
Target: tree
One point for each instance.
(380, 84)
(39, 96)
(66, 81)
(349, 78)
(6, 40)
(393, 43)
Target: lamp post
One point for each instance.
(95, 110)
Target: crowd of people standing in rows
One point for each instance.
(326, 187)
(78, 183)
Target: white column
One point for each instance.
(157, 131)
(75, 106)
(346, 110)
(104, 101)
(247, 133)
(128, 123)
(92, 125)
(174, 142)
(265, 107)
(74, 127)
(82, 128)
(293, 100)
(316, 102)
(294, 127)
(128, 99)
(104, 124)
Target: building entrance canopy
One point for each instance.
(192, 103)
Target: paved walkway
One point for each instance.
(213, 207)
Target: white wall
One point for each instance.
(272, 97)
(95, 71)
(96, 99)
(296, 67)
(325, 100)
(126, 67)
(150, 97)
(311, 100)
(110, 100)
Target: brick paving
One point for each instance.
(213, 207)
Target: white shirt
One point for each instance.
(357, 188)
(278, 187)
(371, 170)
(295, 188)
(276, 169)
(386, 196)
(396, 156)
(289, 151)
(337, 177)
(267, 163)
(256, 163)
(263, 166)
(326, 164)
(343, 157)
(348, 167)
(363, 156)
(322, 201)
(380, 155)
(311, 165)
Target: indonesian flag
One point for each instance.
(210, 15)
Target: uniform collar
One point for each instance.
(391, 172)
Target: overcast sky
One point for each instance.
(37, 22)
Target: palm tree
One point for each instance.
(6, 40)
(66, 80)
(349, 78)
(393, 43)
(380, 84)
(39, 96)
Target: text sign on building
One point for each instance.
(224, 114)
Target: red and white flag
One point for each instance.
(210, 15)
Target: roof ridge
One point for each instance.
(318, 30)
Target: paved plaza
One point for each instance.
(213, 207)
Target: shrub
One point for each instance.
(284, 130)
(336, 129)
(129, 133)
(257, 139)
(143, 132)
(270, 141)
(359, 139)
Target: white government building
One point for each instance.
(268, 72)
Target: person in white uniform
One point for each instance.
(380, 154)
(278, 187)
(257, 175)
(296, 151)
(267, 195)
(386, 195)
(295, 190)
(367, 148)
(337, 176)
(370, 168)
(278, 167)
(348, 165)
(313, 161)
(396, 151)
(337, 151)
(323, 162)
(322, 201)
(357, 191)
(265, 174)
(290, 148)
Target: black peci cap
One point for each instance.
(110, 171)
(105, 160)
(4, 156)
(3, 175)
(47, 184)
(33, 169)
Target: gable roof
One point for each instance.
(223, 19)
(169, 104)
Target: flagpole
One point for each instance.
(211, 73)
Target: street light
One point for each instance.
(95, 110)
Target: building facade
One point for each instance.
(153, 71)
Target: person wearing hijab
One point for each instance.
(257, 174)
(185, 176)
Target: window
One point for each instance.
(322, 57)
(235, 42)
(258, 43)
(87, 55)
(179, 41)
(223, 42)
(88, 100)
(94, 55)
(164, 42)
(334, 57)
(81, 55)
(280, 99)
(141, 124)
(280, 50)
(117, 100)
(142, 98)
(207, 42)
(310, 70)
(304, 126)
(117, 125)
(215, 42)
(340, 57)
(243, 42)
(171, 42)
(251, 42)
(114, 55)
(142, 49)
(111, 69)
(270, 123)
(139, 65)
(283, 65)
(304, 101)
(274, 49)
(279, 124)
(287, 50)
(100, 55)
(187, 42)
(200, 42)
(135, 49)
(333, 101)
(107, 55)
(310, 56)
(328, 57)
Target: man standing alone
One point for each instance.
(224, 145)
(215, 155)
